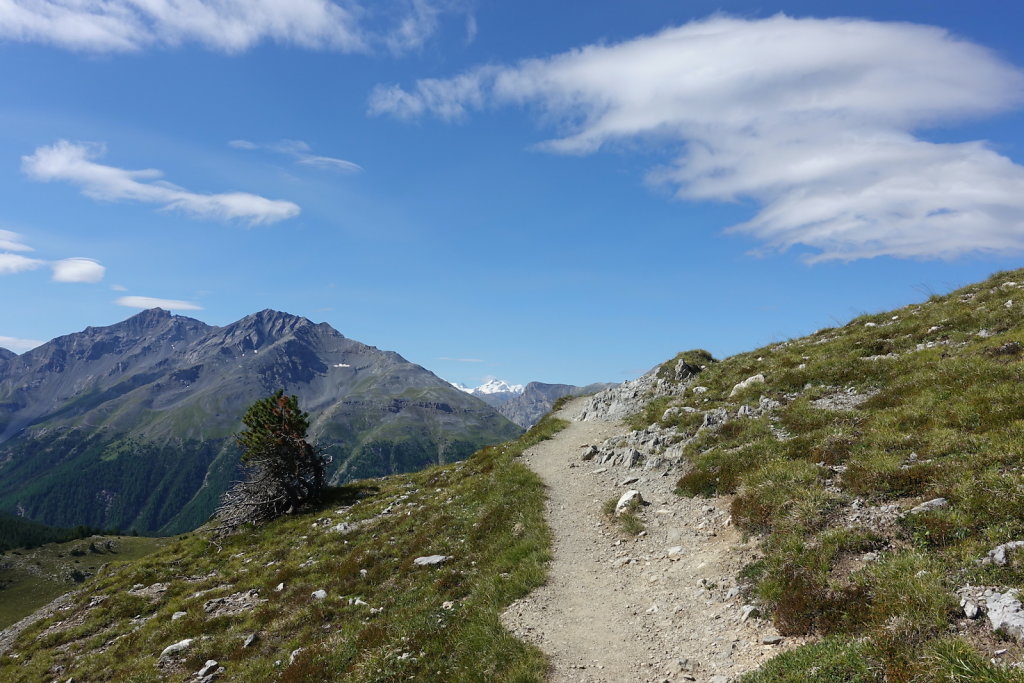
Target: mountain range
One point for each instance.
(525, 404)
(131, 425)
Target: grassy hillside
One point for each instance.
(384, 617)
(850, 429)
(31, 578)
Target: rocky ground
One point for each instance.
(661, 606)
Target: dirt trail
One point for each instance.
(661, 607)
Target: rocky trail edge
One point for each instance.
(660, 606)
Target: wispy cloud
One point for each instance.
(145, 302)
(16, 263)
(118, 288)
(301, 152)
(74, 163)
(817, 120)
(19, 345)
(462, 360)
(225, 25)
(77, 269)
(12, 241)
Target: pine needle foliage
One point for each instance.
(283, 470)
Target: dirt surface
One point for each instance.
(663, 606)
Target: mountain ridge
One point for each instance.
(158, 382)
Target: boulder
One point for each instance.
(1000, 555)
(928, 505)
(177, 647)
(431, 560)
(628, 498)
(748, 382)
(1006, 614)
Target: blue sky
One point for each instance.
(528, 190)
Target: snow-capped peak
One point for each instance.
(493, 386)
(499, 386)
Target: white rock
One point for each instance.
(279, 587)
(1005, 612)
(179, 646)
(999, 555)
(208, 668)
(431, 560)
(178, 615)
(294, 655)
(319, 594)
(750, 381)
(627, 499)
(933, 504)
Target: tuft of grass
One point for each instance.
(832, 660)
(629, 520)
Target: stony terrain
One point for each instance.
(663, 605)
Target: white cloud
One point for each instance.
(16, 263)
(301, 152)
(817, 120)
(12, 241)
(226, 25)
(118, 288)
(77, 269)
(145, 302)
(73, 162)
(19, 345)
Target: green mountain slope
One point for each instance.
(382, 616)
(130, 425)
(828, 458)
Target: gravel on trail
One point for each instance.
(663, 606)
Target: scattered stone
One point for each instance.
(178, 615)
(233, 604)
(628, 498)
(749, 611)
(933, 504)
(295, 654)
(589, 452)
(320, 594)
(431, 560)
(629, 480)
(772, 640)
(674, 551)
(208, 668)
(250, 640)
(448, 605)
(177, 647)
(1006, 614)
(599, 470)
(279, 587)
(1000, 555)
(971, 609)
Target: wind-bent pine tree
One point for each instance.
(283, 470)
